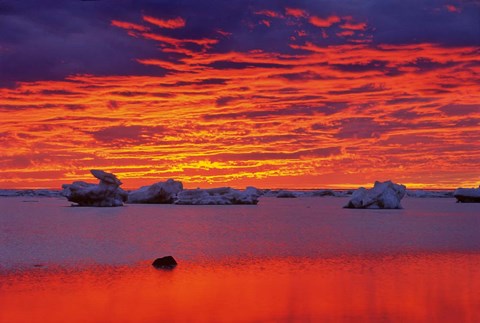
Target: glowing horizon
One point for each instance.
(292, 97)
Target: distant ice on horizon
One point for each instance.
(266, 193)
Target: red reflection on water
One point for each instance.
(432, 288)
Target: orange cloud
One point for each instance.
(295, 12)
(320, 116)
(175, 23)
(346, 33)
(265, 22)
(268, 13)
(205, 42)
(354, 26)
(320, 22)
(128, 25)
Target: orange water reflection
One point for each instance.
(407, 288)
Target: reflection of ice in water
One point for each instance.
(282, 260)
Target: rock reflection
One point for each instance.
(404, 288)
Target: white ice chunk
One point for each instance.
(429, 194)
(218, 196)
(383, 195)
(105, 193)
(467, 195)
(158, 193)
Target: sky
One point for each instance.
(272, 93)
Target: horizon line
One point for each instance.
(272, 189)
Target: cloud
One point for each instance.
(129, 25)
(225, 100)
(346, 33)
(174, 23)
(128, 135)
(461, 110)
(269, 13)
(179, 45)
(423, 64)
(359, 128)
(367, 88)
(452, 8)
(320, 22)
(59, 43)
(321, 152)
(301, 76)
(295, 12)
(265, 22)
(248, 104)
(373, 65)
(408, 99)
(354, 26)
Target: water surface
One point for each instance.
(294, 260)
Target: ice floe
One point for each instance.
(218, 196)
(31, 193)
(429, 194)
(383, 195)
(306, 193)
(467, 195)
(106, 193)
(287, 194)
(158, 193)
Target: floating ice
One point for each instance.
(106, 193)
(429, 194)
(30, 193)
(306, 193)
(158, 193)
(467, 195)
(218, 196)
(286, 194)
(386, 195)
(323, 193)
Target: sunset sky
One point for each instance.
(275, 93)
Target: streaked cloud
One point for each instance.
(236, 103)
(129, 25)
(174, 23)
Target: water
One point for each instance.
(286, 260)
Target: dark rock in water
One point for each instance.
(167, 262)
